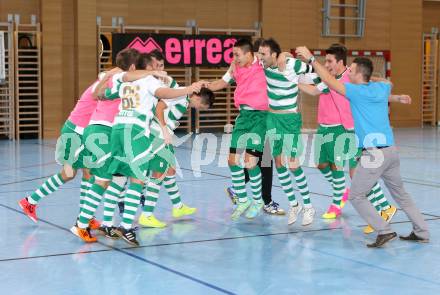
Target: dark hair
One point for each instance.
(245, 45)
(257, 44)
(273, 45)
(127, 57)
(157, 54)
(364, 66)
(143, 61)
(339, 51)
(207, 96)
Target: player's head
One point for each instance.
(361, 70)
(158, 60)
(127, 59)
(336, 59)
(243, 52)
(145, 62)
(202, 100)
(268, 52)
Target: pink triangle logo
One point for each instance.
(144, 47)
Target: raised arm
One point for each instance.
(139, 74)
(309, 89)
(160, 114)
(402, 98)
(169, 93)
(99, 89)
(326, 77)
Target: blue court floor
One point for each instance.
(209, 253)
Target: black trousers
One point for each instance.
(266, 165)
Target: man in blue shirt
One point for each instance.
(369, 105)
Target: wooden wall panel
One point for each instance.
(68, 58)
(85, 44)
(23, 7)
(431, 15)
(52, 65)
(209, 13)
(406, 54)
(377, 27)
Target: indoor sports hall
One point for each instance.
(310, 225)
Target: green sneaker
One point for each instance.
(254, 209)
(240, 209)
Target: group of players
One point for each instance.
(120, 135)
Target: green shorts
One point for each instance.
(97, 150)
(352, 163)
(164, 156)
(130, 151)
(69, 148)
(284, 134)
(335, 145)
(249, 131)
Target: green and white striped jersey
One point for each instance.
(176, 109)
(137, 100)
(282, 87)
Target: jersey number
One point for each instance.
(130, 97)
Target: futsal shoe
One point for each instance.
(345, 197)
(254, 209)
(128, 235)
(381, 240)
(412, 237)
(94, 224)
(232, 195)
(308, 214)
(386, 215)
(184, 210)
(389, 213)
(28, 209)
(151, 221)
(108, 232)
(333, 212)
(240, 209)
(273, 208)
(293, 214)
(83, 233)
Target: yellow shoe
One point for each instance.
(184, 210)
(151, 221)
(332, 213)
(368, 229)
(388, 214)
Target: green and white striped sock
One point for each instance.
(380, 197)
(286, 184)
(238, 183)
(85, 186)
(327, 172)
(255, 181)
(301, 182)
(48, 187)
(372, 198)
(151, 197)
(131, 203)
(173, 190)
(338, 187)
(111, 199)
(92, 201)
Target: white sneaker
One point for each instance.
(293, 214)
(308, 214)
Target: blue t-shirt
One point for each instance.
(369, 106)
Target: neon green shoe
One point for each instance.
(254, 209)
(151, 221)
(240, 209)
(184, 210)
